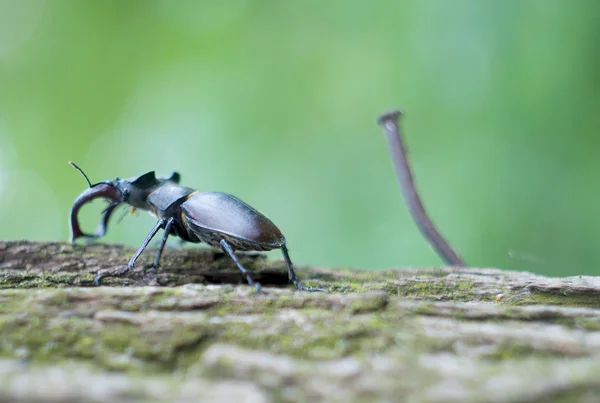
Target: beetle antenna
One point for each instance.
(83, 173)
(125, 212)
(389, 124)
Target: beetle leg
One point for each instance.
(229, 250)
(292, 275)
(166, 234)
(160, 224)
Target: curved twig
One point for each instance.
(398, 154)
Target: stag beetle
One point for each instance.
(218, 219)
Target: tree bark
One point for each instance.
(194, 331)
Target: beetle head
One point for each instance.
(133, 191)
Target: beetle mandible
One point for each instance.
(220, 220)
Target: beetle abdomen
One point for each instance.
(213, 216)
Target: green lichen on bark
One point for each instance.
(198, 332)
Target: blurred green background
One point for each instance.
(276, 103)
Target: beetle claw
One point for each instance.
(150, 278)
(151, 272)
(258, 287)
(302, 287)
(312, 289)
(99, 278)
(119, 273)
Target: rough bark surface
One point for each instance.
(194, 332)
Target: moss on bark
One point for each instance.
(436, 335)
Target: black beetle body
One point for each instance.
(218, 219)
